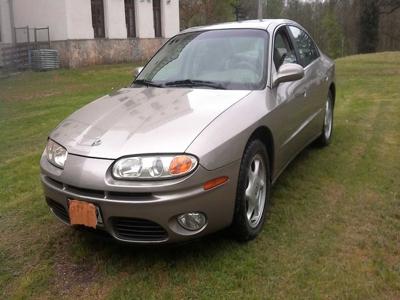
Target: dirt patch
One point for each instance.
(392, 138)
(70, 275)
(334, 192)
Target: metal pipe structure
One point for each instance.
(12, 22)
(259, 10)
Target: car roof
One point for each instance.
(265, 24)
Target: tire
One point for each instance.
(327, 127)
(253, 190)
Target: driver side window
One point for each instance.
(283, 50)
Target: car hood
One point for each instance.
(142, 120)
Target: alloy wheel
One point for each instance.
(255, 192)
(328, 118)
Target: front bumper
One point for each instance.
(140, 212)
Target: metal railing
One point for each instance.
(18, 56)
(23, 35)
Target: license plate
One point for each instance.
(83, 213)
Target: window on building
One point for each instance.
(98, 18)
(157, 17)
(130, 18)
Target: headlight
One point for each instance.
(56, 154)
(154, 167)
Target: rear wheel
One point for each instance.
(252, 196)
(325, 138)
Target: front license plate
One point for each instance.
(82, 213)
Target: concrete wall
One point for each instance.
(79, 19)
(144, 19)
(67, 19)
(5, 22)
(72, 19)
(71, 31)
(169, 18)
(79, 53)
(43, 13)
(114, 17)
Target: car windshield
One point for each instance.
(221, 59)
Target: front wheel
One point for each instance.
(252, 196)
(325, 138)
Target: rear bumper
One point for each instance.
(145, 205)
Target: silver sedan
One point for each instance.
(195, 143)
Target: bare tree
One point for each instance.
(340, 27)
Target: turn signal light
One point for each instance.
(180, 164)
(215, 182)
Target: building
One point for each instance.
(91, 31)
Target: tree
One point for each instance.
(388, 7)
(273, 9)
(202, 12)
(369, 24)
(340, 27)
(248, 9)
(332, 36)
(189, 13)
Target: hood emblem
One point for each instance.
(96, 142)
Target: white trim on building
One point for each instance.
(144, 17)
(5, 22)
(72, 19)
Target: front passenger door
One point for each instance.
(290, 97)
(308, 55)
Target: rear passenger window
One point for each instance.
(307, 50)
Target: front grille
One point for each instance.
(85, 192)
(127, 196)
(58, 209)
(138, 230)
(55, 182)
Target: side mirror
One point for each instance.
(137, 71)
(288, 72)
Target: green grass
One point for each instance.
(333, 230)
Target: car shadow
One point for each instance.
(102, 243)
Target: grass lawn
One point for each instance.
(333, 230)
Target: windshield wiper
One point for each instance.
(147, 82)
(195, 83)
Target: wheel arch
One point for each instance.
(264, 134)
(332, 89)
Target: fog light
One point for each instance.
(192, 221)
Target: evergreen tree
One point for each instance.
(369, 26)
(332, 38)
